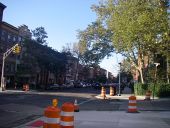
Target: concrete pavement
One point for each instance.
(158, 104)
(121, 119)
(150, 115)
(114, 119)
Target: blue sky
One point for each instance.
(60, 18)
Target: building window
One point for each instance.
(3, 38)
(9, 36)
(14, 39)
(3, 33)
(19, 39)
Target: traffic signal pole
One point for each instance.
(5, 55)
(2, 74)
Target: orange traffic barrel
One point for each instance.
(112, 91)
(27, 87)
(148, 95)
(24, 87)
(67, 115)
(103, 93)
(52, 116)
(132, 105)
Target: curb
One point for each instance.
(124, 97)
(37, 123)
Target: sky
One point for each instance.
(61, 20)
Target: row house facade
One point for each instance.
(9, 36)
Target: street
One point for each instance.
(18, 107)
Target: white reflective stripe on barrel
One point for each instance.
(132, 101)
(66, 123)
(51, 120)
(67, 113)
(132, 107)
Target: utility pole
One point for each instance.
(119, 78)
(16, 49)
(155, 79)
(2, 74)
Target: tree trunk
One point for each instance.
(140, 65)
(141, 76)
(77, 70)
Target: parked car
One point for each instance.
(96, 85)
(53, 86)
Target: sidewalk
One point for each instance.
(150, 115)
(114, 119)
(158, 104)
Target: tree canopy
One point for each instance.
(95, 42)
(37, 55)
(40, 35)
(134, 28)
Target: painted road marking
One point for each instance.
(37, 123)
(85, 101)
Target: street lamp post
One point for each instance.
(2, 75)
(155, 79)
(119, 78)
(16, 49)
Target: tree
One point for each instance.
(136, 29)
(77, 52)
(96, 43)
(40, 59)
(40, 35)
(74, 50)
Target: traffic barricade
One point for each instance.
(67, 115)
(103, 93)
(25, 87)
(112, 91)
(132, 105)
(52, 116)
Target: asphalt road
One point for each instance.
(17, 107)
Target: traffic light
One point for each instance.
(17, 49)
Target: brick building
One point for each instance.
(9, 36)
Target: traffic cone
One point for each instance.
(76, 107)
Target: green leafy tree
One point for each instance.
(37, 58)
(95, 43)
(135, 28)
(66, 48)
(40, 35)
(77, 50)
